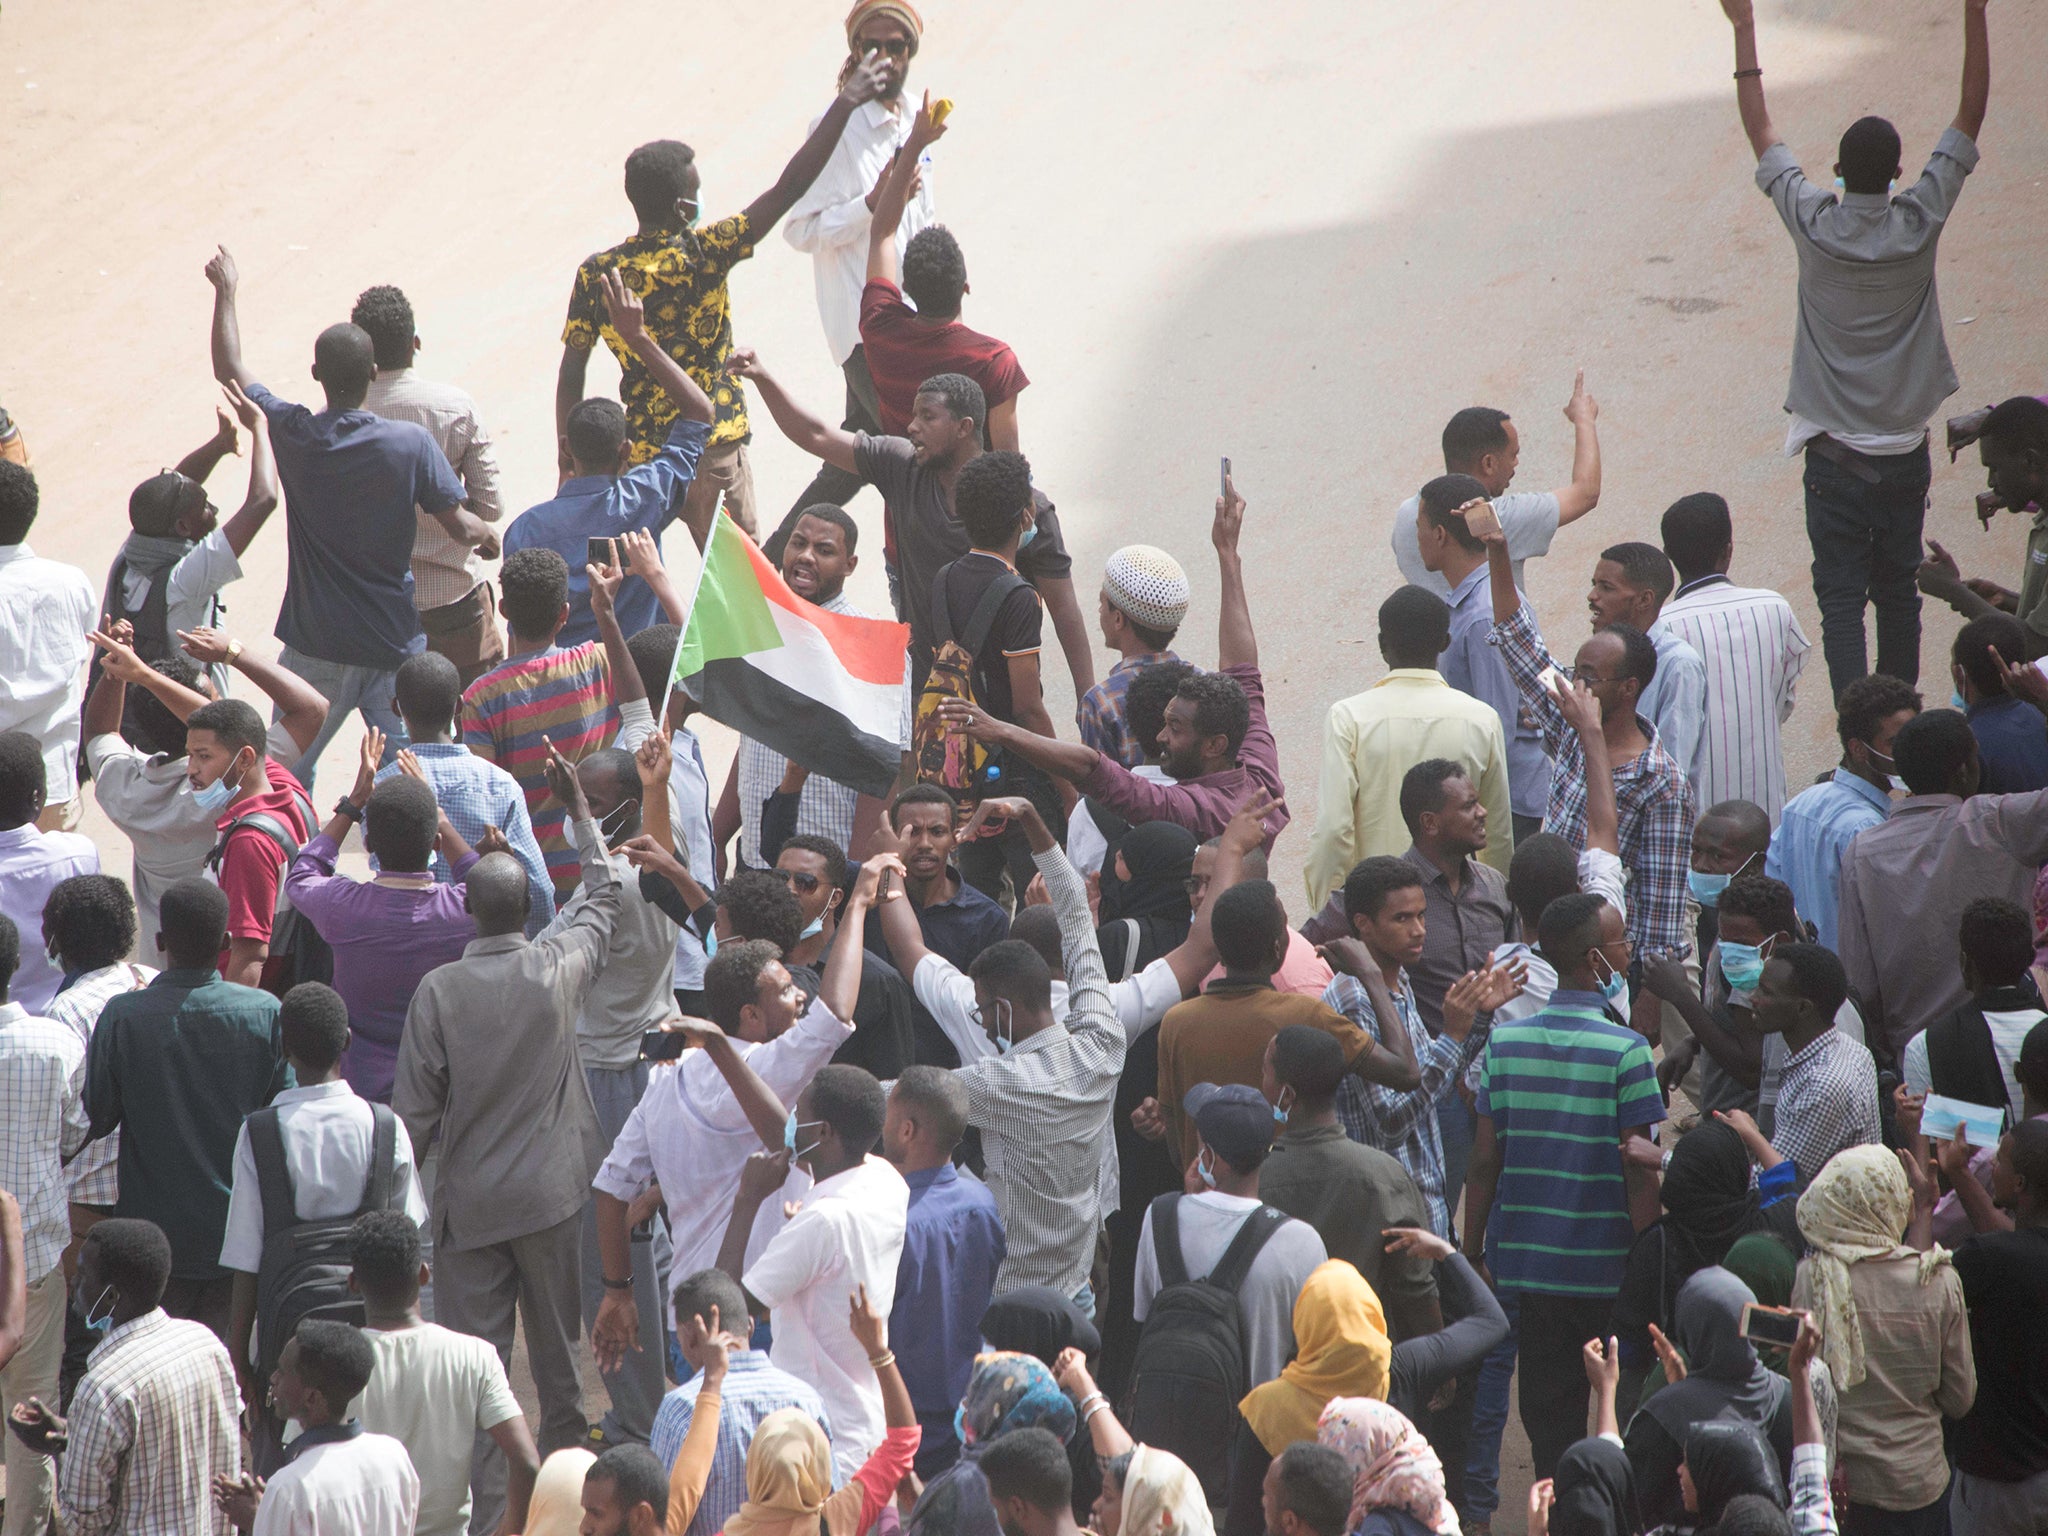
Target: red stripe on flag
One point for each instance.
(872, 650)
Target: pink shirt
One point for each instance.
(1302, 971)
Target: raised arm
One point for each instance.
(841, 986)
(119, 663)
(1976, 71)
(643, 559)
(816, 437)
(570, 378)
(1236, 645)
(629, 318)
(203, 460)
(256, 507)
(302, 708)
(765, 1112)
(1574, 501)
(227, 325)
(863, 84)
(1749, 76)
(894, 193)
(1581, 711)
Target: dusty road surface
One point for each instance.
(1298, 234)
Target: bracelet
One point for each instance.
(884, 1360)
(618, 1285)
(1092, 1397)
(1089, 1417)
(347, 807)
(1749, 74)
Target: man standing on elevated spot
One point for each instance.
(1483, 442)
(354, 485)
(680, 267)
(1869, 363)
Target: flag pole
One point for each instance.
(690, 610)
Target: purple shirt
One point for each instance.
(1203, 805)
(386, 935)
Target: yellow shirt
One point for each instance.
(1370, 741)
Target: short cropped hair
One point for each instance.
(134, 1257)
(1013, 970)
(637, 1478)
(934, 272)
(990, 496)
(837, 869)
(405, 818)
(91, 920)
(1308, 1060)
(1221, 708)
(1931, 748)
(697, 1294)
(1422, 789)
(1040, 928)
(314, 1023)
(534, 588)
(1868, 155)
(1646, 567)
(384, 1251)
(1544, 867)
(1696, 530)
(1028, 1464)
(1639, 654)
(1373, 880)
(960, 395)
(596, 429)
(1569, 927)
(236, 724)
(1868, 702)
(428, 690)
(658, 177)
(192, 915)
(1817, 976)
(925, 794)
(1439, 500)
(2019, 423)
(386, 314)
(1316, 1485)
(850, 1100)
(18, 501)
(938, 1099)
(653, 651)
(1248, 925)
(1998, 936)
(149, 723)
(1472, 434)
(1765, 901)
(838, 517)
(335, 1358)
(732, 979)
(1415, 626)
(1983, 634)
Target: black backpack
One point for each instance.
(297, 951)
(306, 1263)
(1189, 1373)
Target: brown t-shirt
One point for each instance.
(1221, 1037)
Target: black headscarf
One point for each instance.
(1160, 856)
(1727, 1458)
(1038, 1320)
(1708, 1205)
(1595, 1491)
(1724, 1379)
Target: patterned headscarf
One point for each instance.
(789, 1473)
(1009, 1391)
(1856, 1208)
(1163, 1498)
(1392, 1466)
(1341, 1349)
(901, 10)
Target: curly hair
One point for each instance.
(934, 272)
(386, 313)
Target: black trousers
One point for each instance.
(1864, 520)
(1551, 1373)
(831, 483)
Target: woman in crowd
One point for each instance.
(1397, 1481)
(1724, 1459)
(1720, 1378)
(1145, 911)
(1893, 1332)
(1006, 1392)
(1141, 1491)
(1037, 1320)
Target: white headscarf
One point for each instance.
(1856, 1208)
(1163, 1498)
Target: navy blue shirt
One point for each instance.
(952, 1247)
(957, 929)
(646, 498)
(2012, 745)
(352, 482)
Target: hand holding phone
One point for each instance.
(1481, 519)
(599, 553)
(1777, 1326)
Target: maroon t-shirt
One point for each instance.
(903, 351)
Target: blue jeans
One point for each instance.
(366, 690)
(1490, 1418)
(1866, 550)
(1456, 1123)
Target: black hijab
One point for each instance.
(1037, 1320)
(1595, 1491)
(1708, 1206)
(1727, 1458)
(1160, 856)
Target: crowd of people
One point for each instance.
(1000, 1154)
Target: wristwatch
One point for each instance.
(347, 807)
(234, 651)
(618, 1285)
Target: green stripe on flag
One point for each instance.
(730, 617)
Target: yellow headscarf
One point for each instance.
(1341, 1349)
(789, 1473)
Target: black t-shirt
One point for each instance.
(927, 536)
(1015, 631)
(2004, 1437)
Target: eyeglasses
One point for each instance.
(895, 47)
(1582, 675)
(795, 877)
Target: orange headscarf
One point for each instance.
(1341, 1349)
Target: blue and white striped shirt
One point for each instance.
(753, 1390)
(475, 794)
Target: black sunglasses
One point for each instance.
(803, 882)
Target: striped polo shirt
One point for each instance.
(1560, 1087)
(563, 695)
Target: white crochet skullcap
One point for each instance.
(1147, 585)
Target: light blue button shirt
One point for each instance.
(1471, 664)
(1676, 701)
(1815, 831)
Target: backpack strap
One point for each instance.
(273, 1174)
(383, 1160)
(257, 821)
(1131, 940)
(1236, 1263)
(979, 622)
(1173, 1269)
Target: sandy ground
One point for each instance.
(1299, 234)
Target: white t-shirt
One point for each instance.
(365, 1486)
(2008, 1034)
(328, 1133)
(1528, 518)
(849, 1233)
(1265, 1301)
(432, 1391)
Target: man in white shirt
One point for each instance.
(1235, 1125)
(179, 555)
(1753, 650)
(46, 611)
(138, 761)
(1483, 442)
(457, 609)
(32, 864)
(434, 1390)
(844, 1241)
(42, 1124)
(337, 1476)
(691, 1133)
(329, 1137)
(830, 222)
